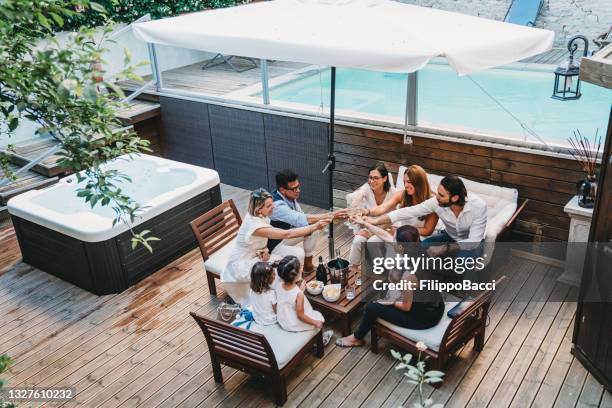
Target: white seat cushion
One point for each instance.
(285, 345)
(431, 337)
(216, 262)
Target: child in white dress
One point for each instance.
(294, 312)
(262, 296)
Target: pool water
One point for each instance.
(447, 100)
(24, 134)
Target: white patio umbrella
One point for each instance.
(380, 35)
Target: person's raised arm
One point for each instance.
(313, 218)
(384, 207)
(278, 233)
(383, 219)
(430, 225)
(425, 208)
(376, 230)
(282, 212)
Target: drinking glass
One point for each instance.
(350, 293)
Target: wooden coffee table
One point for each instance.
(343, 308)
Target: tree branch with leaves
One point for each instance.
(61, 86)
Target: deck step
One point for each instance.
(138, 111)
(23, 153)
(26, 181)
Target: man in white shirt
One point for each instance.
(464, 217)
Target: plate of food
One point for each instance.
(331, 293)
(314, 287)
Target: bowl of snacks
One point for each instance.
(331, 293)
(314, 287)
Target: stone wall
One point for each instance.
(569, 17)
(565, 17)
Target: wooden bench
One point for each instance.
(214, 231)
(444, 339)
(271, 355)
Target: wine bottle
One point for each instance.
(321, 271)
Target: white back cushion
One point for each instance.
(501, 201)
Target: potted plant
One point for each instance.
(586, 155)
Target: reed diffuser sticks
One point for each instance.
(584, 153)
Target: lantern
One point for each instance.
(567, 82)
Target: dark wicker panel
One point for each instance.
(239, 146)
(105, 266)
(300, 145)
(297, 144)
(54, 253)
(186, 132)
(175, 233)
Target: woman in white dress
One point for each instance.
(251, 241)
(416, 190)
(377, 191)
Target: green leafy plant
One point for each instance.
(62, 87)
(417, 375)
(127, 11)
(5, 363)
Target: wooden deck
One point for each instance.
(141, 348)
(219, 79)
(554, 56)
(222, 79)
(24, 181)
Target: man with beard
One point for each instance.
(464, 217)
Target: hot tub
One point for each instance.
(61, 234)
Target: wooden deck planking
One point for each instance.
(459, 368)
(217, 80)
(222, 79)
(23, 182)
(514, 324)
(140, 348)
(553, 56)
(539, 365)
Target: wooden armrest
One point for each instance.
(516, 213)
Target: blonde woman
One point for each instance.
(251, 241)
(416, 190)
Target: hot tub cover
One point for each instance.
(379, 35)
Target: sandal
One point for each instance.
(327, 335)
(341, 342)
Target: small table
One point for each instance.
(580, 223)
(343, 308)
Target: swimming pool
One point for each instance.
(24, 134)
(449, 101)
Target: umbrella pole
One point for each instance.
(331, 159)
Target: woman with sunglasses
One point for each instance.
(377, 191)
(250, 245)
